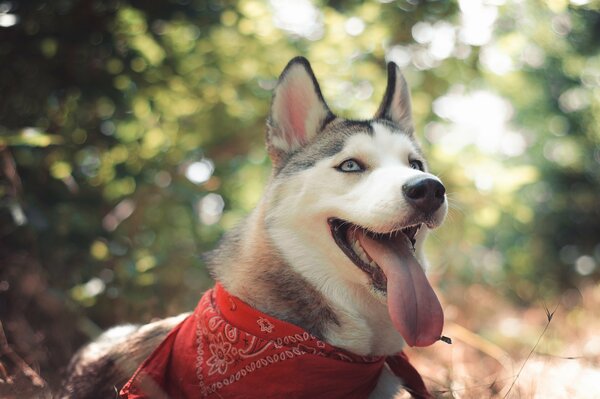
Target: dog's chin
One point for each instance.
(345, 234)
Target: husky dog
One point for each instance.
(333, 247)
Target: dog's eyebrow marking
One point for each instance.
(328, 144)
(357, 126)
(302, 160)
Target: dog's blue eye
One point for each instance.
(418, 165)
(350, 165)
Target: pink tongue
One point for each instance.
(413, 306)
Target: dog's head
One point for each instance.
(351, 201)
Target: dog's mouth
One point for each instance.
(346, 236)
(388, 259)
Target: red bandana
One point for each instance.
(226, 349)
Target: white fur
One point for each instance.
(373, 199)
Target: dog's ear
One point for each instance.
(395, 105)
(298, 110)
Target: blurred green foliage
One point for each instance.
(137, 132)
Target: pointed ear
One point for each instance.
(298, 111)
(395, 105)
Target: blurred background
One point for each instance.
(132, 136)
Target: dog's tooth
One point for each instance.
(360, 253)
(364, 256)
(358, 249)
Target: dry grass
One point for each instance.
(496, 344)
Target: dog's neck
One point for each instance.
(250, 267)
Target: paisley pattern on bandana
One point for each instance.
(221, 345)
(228, 349)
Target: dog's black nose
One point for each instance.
(426, 194)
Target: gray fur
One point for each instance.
(100, 369)
(273, 287)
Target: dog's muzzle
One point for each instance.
(425, 194)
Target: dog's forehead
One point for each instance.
(384, 141)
